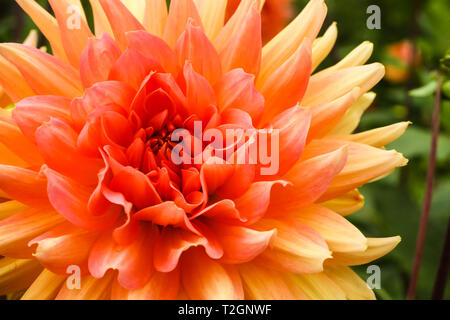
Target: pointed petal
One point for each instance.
(162, 286)
(287, 85)
(194, 46)
(46, 23)
(121, 20)
(18, 230)
(155, 16)
(98, 59)
(101, 23)
(376, 248)
(45, 74)
(136, 7)
(205, 279)
(13, 83)
(340, 234)
(322, 46)
(212, 14)
(340, 82)
(263, 284)
(241, 244)
(316, 286)
(134, 261)
(45, 287)
(310, 180)
(283, 46)
(346, 204)
(74, 34)
(31, 113)
(180, 12)
(353, 286)
(244, 48)
(63, 246)
(57, 143)
(24, 185)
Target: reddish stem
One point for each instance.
(444, 267)
(428, 195)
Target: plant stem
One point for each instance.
(428, 195)
(444, 267)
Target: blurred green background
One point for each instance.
(393, 205)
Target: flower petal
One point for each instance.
(45, 287)
(16, 275)
(155, 16)
(353, 286)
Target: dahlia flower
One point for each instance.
(91, 184)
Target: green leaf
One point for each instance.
(427, 90)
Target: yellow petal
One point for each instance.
(91, 289)
(10, 208)
(46, 23)
(327, 87)
(45, 287)
(339, 233)
(213, 16)
(351, 119)
(137, 8)
(376, 248)
(32, 39)
(263, 284)
(378, 137)
(357, 57)
(316, 286)
(156, 16)
(279, 49)
(322, 46)
(353, 286)
(346, 204)
(17, 274)
(101, 23)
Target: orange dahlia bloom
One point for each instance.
(93, 190)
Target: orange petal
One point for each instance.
(10, 208)
(155, 16)
(310, 180)
(162, 286)
(240, 244)
(253, 205)
(199, 93)
(57, 143)
(213, 15)
(45, 287)
(70, 200)
(243, 49)
(97, 59)
(133, 262)
(194, 46)
(340, 234)
(13, 83)
(287, 85)
(306, 26)
(63, 246)
(46, 23)
(236, 90)
(101, 23)
(18, 230)
(180, 12)
(31, 113)
(132, 68)
(13, 139)
(164, 214)
(74, 35)
(376, 248)
(121, 20)
(295, 248)
(154, 48)
(205, 279)
(58, 77)
(263, 284)
(326, 116)
(24, 185)
(91, 289)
